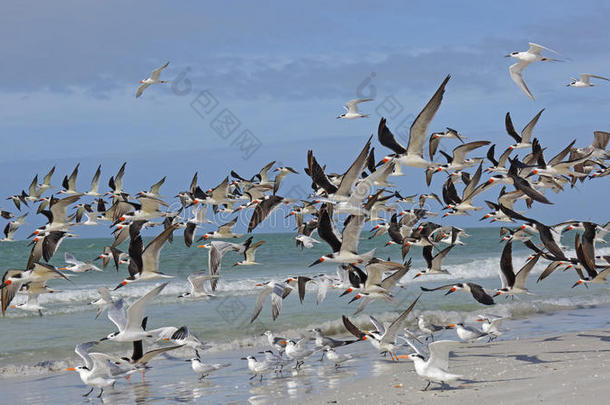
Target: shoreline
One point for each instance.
(558, 361)
(564, 368)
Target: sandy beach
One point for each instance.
(570, 368)
(557, 364)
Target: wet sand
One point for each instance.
(556, 364)
(570, 368)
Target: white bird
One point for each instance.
(585, 80)
(217, 251)
(533, 54)
(467, 333)
(428, 327)
(435, 369)
(277, 342)
(90, 220)
(129, 322)
(298, 351)
(205, 369)
(153, 79)
(335, 357)
(278, 291)
(352, 109)
(259, 368)
(491, 325)
(307, 241)
(95, 182)
(77, 266)
(197, 285)
(103, 302)
(97, 370)
(277, 360)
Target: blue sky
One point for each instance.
(71, 69)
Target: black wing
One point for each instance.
(511, 129)
(325, 230)
(480, 295)
(387, 139)
(317, 174)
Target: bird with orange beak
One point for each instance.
(96, 372)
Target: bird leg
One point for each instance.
(87, 394)
(425, 389)
(252, 377)
(322, 358)
(261, 379)
(101, 392)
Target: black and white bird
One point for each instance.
(434, 263)
(413, 154)
(346, 249)
(144, 261)
(514, 283)
(478, 292)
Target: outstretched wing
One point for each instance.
(517, 76)
(439, 353)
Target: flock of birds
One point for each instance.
(362, 194)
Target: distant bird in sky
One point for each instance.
(153, 79)
(352, 109)
(533, 54)
(585, 80)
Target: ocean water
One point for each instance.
(38, 347)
